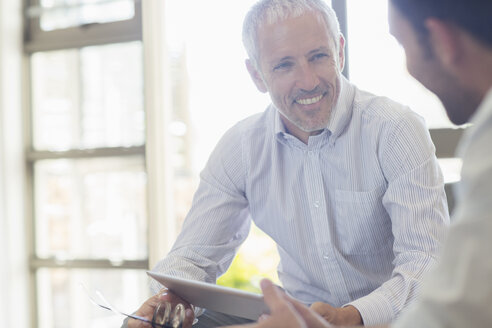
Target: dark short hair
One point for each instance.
(473, 16)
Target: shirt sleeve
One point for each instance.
(218, 221)
(416, 203)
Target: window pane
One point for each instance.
(91, 208)
(58, 14)
(62, 302)
(377, 62)
(87, 98)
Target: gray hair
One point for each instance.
(273, 11)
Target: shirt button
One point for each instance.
(316, 204)
(326, 256)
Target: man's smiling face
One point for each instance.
(300, 67)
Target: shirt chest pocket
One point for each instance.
(362, 224)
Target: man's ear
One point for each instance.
(445, 41)
(256, 76)
(341, 52)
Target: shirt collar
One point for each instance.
(279, 126)
(342, 112)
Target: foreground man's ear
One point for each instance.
(445, 41)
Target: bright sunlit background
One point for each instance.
(377, 62)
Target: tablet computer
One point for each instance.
(214, 297)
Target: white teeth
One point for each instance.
(309, 101)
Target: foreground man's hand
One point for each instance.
(147, 309)
(285, 312)
(346, 316)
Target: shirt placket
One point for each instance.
(333, 278)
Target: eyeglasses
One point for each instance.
(164, 316)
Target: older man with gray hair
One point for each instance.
(345, 182)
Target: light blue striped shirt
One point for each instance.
(358, 213)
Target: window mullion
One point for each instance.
(55, 262)
(34, 155)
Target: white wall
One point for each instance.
(14, 305)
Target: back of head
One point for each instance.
(272, 11)
(473, 16)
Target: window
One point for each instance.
(86, 157)
(54, 15)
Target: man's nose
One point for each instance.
(307, 77)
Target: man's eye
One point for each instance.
(283, 66)
(319, 56)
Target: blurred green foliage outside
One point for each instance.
(257, 259)
(241, 275)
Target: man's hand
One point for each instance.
(285, 312)
(147, 309)
(346, 316)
